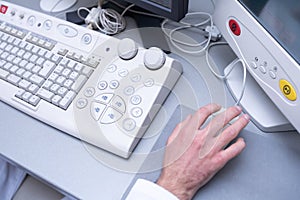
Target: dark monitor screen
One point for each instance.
(281, 19)
(172, 9)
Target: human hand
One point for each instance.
(194, 154)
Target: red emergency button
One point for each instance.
(3, 9)
(234, 27)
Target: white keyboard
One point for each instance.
(97, 88)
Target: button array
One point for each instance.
(41, 41)
(108, 104)
(38, 72)
(108, 108)
(14, 31)
(285, 87)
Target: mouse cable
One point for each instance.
(230, 67)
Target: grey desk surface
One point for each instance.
(267, 169)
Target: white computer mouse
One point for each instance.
(56, 5)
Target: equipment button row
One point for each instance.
(13, 31)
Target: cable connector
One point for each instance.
(214, 31)
(93, 17)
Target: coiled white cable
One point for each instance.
(108, 21)
(184, 25)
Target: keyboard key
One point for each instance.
(26, 96)
(21, 53)
(67, 100)
(56, 59)
(56, 99)
(24, 84)
(23, 63)
(79, 83)
(47, 84)
(68, 84)
(53, 77)
(60, 80)
(3, 73)
(29, 66)
(87, 71)
(20, 72)
(36, 69)
(33, 88)
(13, 79)
(19, 93)
(36, 79)
(27, 75)
(62, 91)
(13, 69)
(48, 66)
(45, 94)
(7, 66)
(54, 87)
(34, 100)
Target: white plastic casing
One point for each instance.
(75, 120)
(266, 60)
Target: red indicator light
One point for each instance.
(3, 9)
(234, 27)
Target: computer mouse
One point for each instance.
(56, 5)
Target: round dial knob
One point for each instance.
(127, 49)
(154, 58)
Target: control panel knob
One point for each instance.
(154, 58)
(127, 49)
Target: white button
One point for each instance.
(31, 20)
(118, 103)
(110, 116)
(136, 99)
(272, 74)
(123, 72)
(154, 58)
(136, 112)
(253, 65)
(81, 103)
(104, 98)
(67, 31)
(127, 49)
(114, 84)
(47, 25)
(96, 110)
(129, 90)
(262, 69)
(86, 38)
(102, 85)
(89, 92)
(135, 77)
(129, 124)
(149, 82)
(111, 68)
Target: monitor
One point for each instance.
(265, 34)
(171, 9)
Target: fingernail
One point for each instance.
(239, 108)
(246, 116)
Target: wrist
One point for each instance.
(176, 188)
